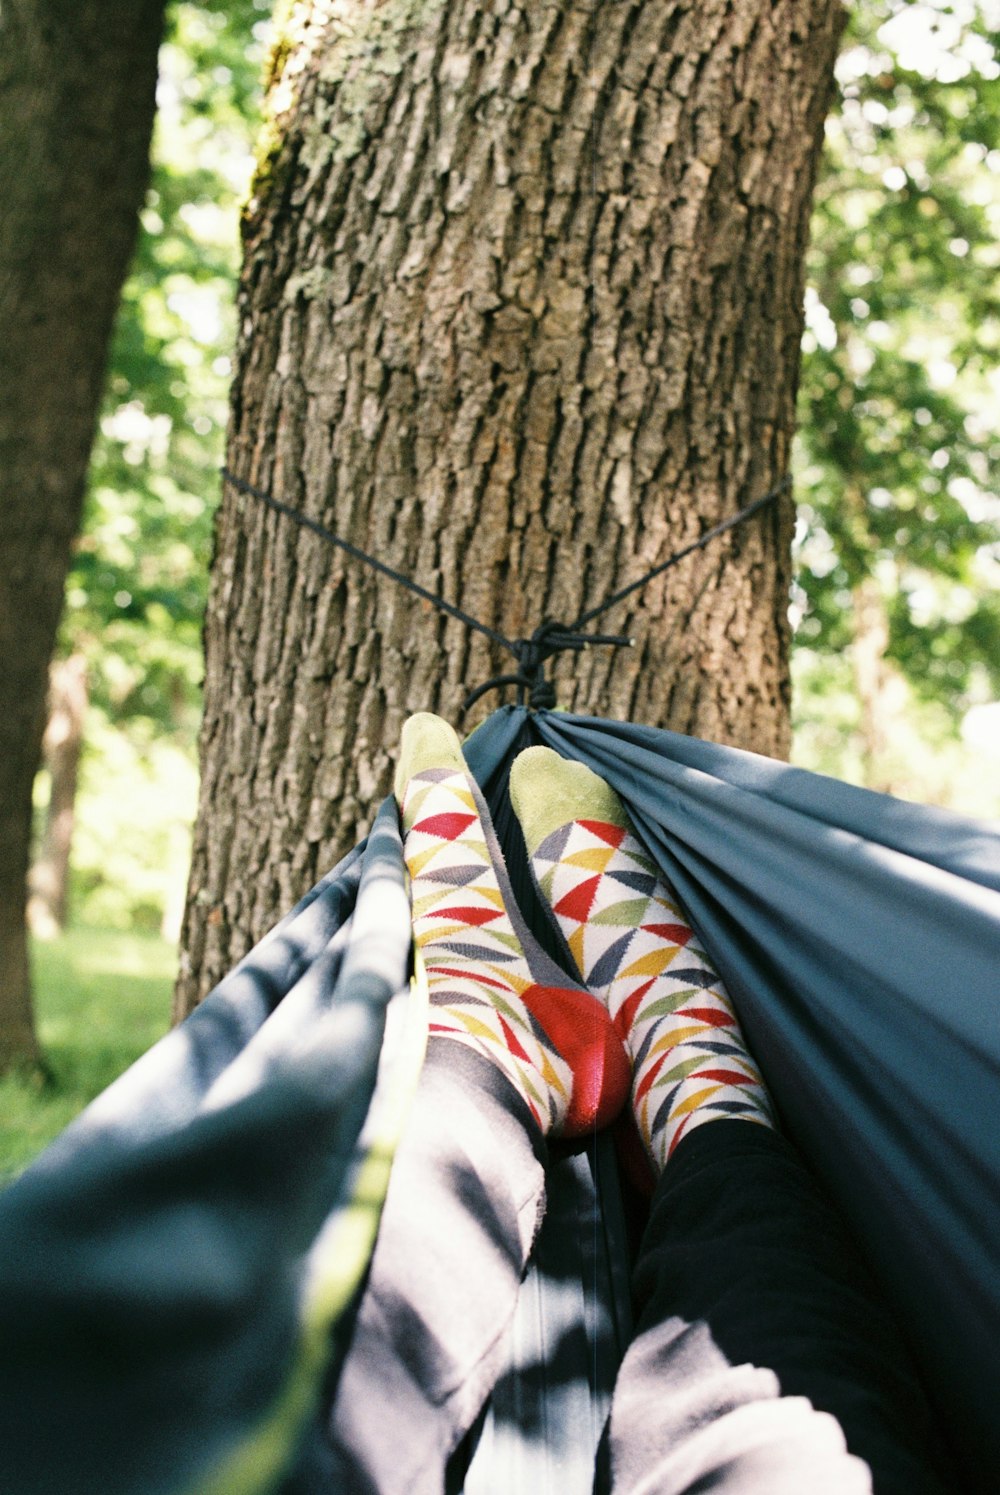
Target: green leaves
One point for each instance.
(898, 456)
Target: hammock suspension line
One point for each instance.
(550, 638)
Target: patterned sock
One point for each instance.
(491, 986)
(636, 950)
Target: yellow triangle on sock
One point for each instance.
(472, 1024)
(675, 1036)
(594, 858)
(416, 861)
(652, 963)
(517, 982)
(549, 1075)
(694, 1101)
(575, 943)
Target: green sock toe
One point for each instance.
(548, 791)
(426, 742)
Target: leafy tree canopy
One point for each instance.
(899, 454)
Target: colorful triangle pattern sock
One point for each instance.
(491, 986)
(636, 950)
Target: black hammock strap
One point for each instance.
(549, 638)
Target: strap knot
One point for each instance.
(549, 639)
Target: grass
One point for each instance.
(102, 998)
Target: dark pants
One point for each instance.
(763, 1361)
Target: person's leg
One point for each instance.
(764, 1359)
(515, 1053)
(465, 1198)
(763, 1352)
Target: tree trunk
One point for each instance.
(48, 903)
(880, 688)
(77, 95)
(520, 312)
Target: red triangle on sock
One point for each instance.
(448, 825)
(578, 902)
(649, 1077)
(677, 934)
(516, 1048)
(679, 1133)
(605, 831)
(724, 1076)
(626, 1012)
(710, 1015)
(469, 915)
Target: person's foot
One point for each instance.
(491, 986)
(635, 949)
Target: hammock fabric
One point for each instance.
(179, 1266)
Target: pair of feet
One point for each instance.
(652, 1021)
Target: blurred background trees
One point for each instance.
(897, 602)
(897, 607)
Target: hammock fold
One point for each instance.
(179, 1264)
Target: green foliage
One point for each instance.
(102, 999)
(899, 454)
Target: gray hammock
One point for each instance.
(180, 1265)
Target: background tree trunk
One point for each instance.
(48, 903)
(520, 312)
(77, 95)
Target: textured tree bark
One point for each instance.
(77, 95)
(48, 901)
(520, 313)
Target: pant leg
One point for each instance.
(764, 1360)
(464, 1202)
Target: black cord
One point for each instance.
(680, 555)
(549, 638)
(362, 555)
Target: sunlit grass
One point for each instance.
(102, 998)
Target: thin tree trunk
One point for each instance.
(520, 312)
(77, 95)
(880, 688)
(48, 903)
